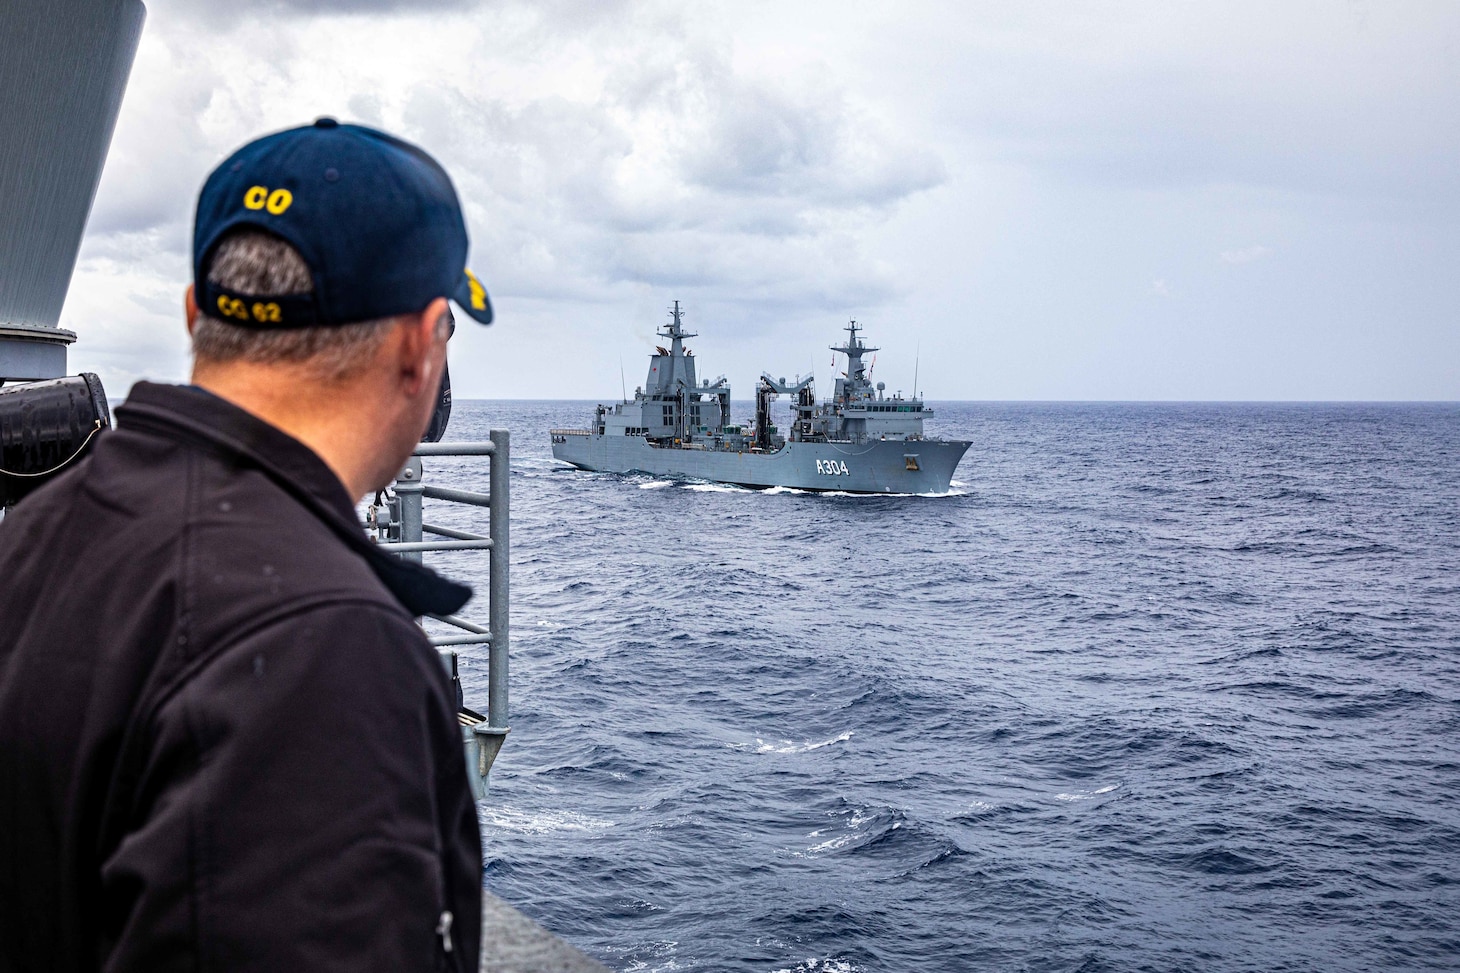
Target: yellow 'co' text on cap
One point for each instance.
(276, 202)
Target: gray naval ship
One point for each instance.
(858, 441)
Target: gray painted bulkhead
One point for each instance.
(62, 76)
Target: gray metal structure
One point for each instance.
(861, 440)
(513, 943)
(62, 75)
(398, 521)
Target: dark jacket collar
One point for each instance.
(189, 413)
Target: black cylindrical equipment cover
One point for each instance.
(43, 428)
(442, 415)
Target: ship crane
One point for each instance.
(766, 393)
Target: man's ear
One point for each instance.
(417, 349)
(190, 308)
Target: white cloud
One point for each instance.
(1245, 255)
(781, 167)
(597, 151)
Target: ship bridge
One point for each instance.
(674, 404)
(858, 411)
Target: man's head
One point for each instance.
(323, 260)
(250, 261)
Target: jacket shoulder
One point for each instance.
(254, 552)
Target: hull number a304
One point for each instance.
(830, 467)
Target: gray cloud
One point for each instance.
(1300, 97)
(757, 191)
(362, 7)
(806, 145)
(219, 15)
(1064, 201)
(676, 169)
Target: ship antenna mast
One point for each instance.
(917, 360)
(674, 330)
(623, 384)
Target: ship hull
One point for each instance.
(876, 466)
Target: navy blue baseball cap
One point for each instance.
(375, 218)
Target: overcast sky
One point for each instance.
(1062, 200)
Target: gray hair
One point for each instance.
(255, 262)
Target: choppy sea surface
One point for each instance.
(1155, 687)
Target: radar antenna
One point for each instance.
(674, 330)
(854, 349)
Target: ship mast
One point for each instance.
(677, 385)
(854, 349)
(674, 331)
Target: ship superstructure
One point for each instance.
(860, 440)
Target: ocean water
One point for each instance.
(1156, 687)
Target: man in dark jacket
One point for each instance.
(224, 744)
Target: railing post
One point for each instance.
(499, 530)
(483, 738)
(408, 489)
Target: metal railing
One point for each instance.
(397, 517)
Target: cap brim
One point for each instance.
(472, 298)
